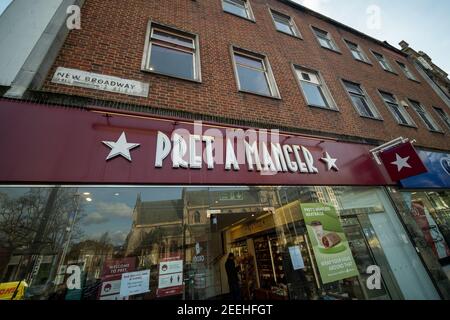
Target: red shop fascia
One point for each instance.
(44, 144)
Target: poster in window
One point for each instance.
(331, 249)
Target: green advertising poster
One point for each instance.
(331, 249)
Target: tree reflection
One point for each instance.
(34, 225)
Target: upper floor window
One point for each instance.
(406, 71)
(357, 52)
(254, 74)
(443, 115)
(384, 63)
(425, 116)
(238, 7)
(325, 39)
(361, 100)
(197, 217)
(314, 89)
(398, 111)
(172, 52)
(284, 23)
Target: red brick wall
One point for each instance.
(112, 42)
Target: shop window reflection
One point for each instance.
(183, 237)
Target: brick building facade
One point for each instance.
(112, 42)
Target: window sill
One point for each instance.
(414, 80)
(260, 94)
(371, 118)
(391, 72)
(236, 15)
(332, 50)
(323, 108)
(411, 126)
(170, 76)
(363, 61)
(290, 35)
(435, 131)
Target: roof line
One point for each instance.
(342, 26)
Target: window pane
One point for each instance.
(324, 42)
(384, 65)
(308, 76)
(173, 39)
(443, 116)
(252, 80)
(378, 56)
(352, 46)
(172, 62)
(398, 114)
(406, 71)
(353, 87)
(417, 106)
(362, 106)
(247, 61)
(314, 94)
(424, 115)
(357, 55)
(388, 97)
(321, 33)
(428, 122)
(235, 6)
(283, 26)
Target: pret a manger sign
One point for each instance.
(107, 147)
(254, 151)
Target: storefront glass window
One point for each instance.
(246, 243)
(431, 213)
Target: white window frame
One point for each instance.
(371, 105)
(430, 118)
(360, 50)
(325, 90)
(408, 74)
(390, 69)
(329, 37)
(145, 66)
(291, 21)
(273, 88)
(248, 9)
(441, 117)
(401, 109)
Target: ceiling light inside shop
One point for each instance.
(89, 199)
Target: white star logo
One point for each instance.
(121, 147)
(331, 162)
(401, 162)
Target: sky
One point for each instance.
(424, 24)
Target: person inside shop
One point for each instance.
(233, 279)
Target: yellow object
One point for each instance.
(7, 290)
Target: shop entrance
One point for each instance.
(277, 256)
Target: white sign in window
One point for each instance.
(168, 267)
(170, 280)
(296, 258)
(134, 283)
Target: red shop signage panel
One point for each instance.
(48, 144)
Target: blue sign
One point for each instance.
(438, 175)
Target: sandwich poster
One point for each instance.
(331, 249)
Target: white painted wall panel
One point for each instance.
(21, 26)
